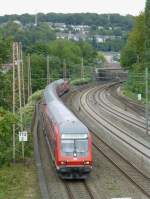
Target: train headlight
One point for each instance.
(74, 154)
(86, 162)
(63, 162)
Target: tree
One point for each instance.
(6, 90)
(6, 121)
(133, 51)
(5, 50)
(147, 33)
(38, 71)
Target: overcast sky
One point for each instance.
(123, 7)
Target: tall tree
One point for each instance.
(147, 33)
(134, 49)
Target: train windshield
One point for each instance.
(74, 146)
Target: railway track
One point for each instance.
(138, 108)
(79, 190)
(136, 177)
(130, 118)
(100, 97)
(127, 168)
(112, 128)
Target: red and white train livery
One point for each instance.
(69, 140)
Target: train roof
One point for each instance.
(67, 121)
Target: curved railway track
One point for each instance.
(108, 125)
(102, 98)
(118, 116)
(128, 169)
(136, 107)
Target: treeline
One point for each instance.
(126, 22)
(27, 35)
(104, 24)
(136, 54)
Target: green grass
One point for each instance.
(81, 81)
(19, 181)
(132, 96)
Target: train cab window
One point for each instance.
(81, 146)
(67, 147)
(74, 145)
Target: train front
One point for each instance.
(75, 154)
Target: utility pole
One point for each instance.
(22, 75)
(17, 94)
(82, 69)
(48, 70)
(14, 97)
(64, 70)
(20, 94)
(146, 102)
(29, 76)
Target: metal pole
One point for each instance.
(14, 85)
(64, 70)
(29, 76)
(20, 98)
(22, 75)
(82, 69)
(146, 96)
(48, 70)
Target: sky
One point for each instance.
(122, 7)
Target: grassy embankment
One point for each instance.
(20, 181)
(79, 81)
(133, 96)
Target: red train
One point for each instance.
(69, 140)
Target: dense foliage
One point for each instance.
(136, 54)
(27, 35)
(6, 90)
(126, 22)
(147, 34)
(23, 28)
(134, 49)
(6, 121)
(60, 52)
(5, 49)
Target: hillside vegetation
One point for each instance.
(136, 54)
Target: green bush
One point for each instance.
(6, 121)
(80, 81)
